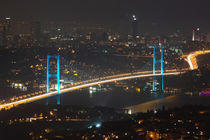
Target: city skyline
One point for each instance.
(104, 69)
(154, 16)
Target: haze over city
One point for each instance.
(161, 16)
(104, 70)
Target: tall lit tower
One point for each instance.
(193, 35)
(134, 26)
(196, 35)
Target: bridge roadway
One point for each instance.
(108, 79)
(191, 58)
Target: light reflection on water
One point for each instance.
(170, 102)
(110, 99)
(134, 102)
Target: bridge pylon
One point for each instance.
(154, 66)
(57, 75)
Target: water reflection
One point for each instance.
(170, 102)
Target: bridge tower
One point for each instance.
(57, 75)
(154, 64)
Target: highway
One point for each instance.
(31, 97)
(40, 95)
(191, 58)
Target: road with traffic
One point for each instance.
(31, 97)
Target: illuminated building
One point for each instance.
(134, 26)
(193, 35)
(197, 35)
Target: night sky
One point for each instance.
(167, 15)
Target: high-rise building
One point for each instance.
(36, 30)
(134, 26)
(208, 37)
(5, 31)
(3, 37)
(8, 25)
(193, 35)
(197, 35)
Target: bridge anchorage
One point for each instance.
(154, 66)
(57, 76)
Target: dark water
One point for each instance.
(170, 102)
(136, 102)
(115, 99)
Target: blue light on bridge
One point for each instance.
(98, 125)
(154, 64)
(57, 75)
